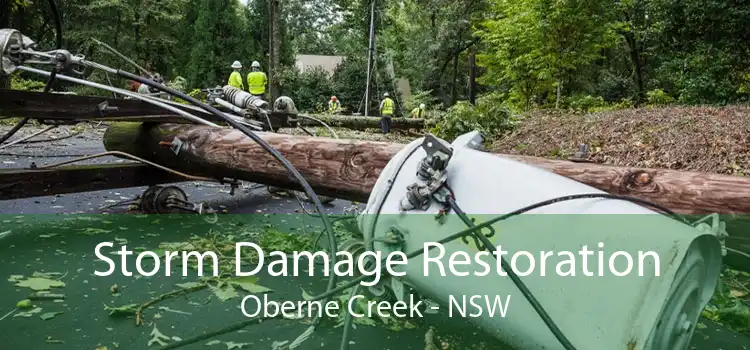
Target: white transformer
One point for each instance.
(632, 312)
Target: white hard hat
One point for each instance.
(236, 65)
(255, 64)
(385, 94)
(421, 106)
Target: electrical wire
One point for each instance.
(130, 156)
(336, 136)
(275, 153)
(21, 140)
(122, 92)
(473, 229)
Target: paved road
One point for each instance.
(40, 242)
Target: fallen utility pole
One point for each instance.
(348, 169)
(17, 103)
(25, 183)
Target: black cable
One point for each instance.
(58, 23)
(551, 324)
(287, 165)
(463, 233)
(473, 229)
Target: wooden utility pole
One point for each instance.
(370, 52)
(274, 62)
(348, 169)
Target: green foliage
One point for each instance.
(418, 97)
(586, 103)
(490, 117)
(729, 303)
(178, 83)
(18, 83)
(310, 89)
(659, 97)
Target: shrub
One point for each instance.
(490, 116)
(658, 97)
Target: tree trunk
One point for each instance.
(454, 92)
(348, 169)
(4, 23)
(362, 123)
(472, 77)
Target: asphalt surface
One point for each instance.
(42, 239)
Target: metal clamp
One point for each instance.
(716, 227)
(176, 145)
(104, 107)
(431, 171)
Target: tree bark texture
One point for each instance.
(348, 169)
(362, 123)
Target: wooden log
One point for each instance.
(348, 169)
(363, 123)
(26, 183)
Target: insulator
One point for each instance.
(243, 99)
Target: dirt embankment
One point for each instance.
(706, 139)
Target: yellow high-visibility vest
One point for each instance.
(417, 113)
(256, 82)
(235, 80)
(387, 108)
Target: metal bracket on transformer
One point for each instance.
(716, 227)
(431, 173)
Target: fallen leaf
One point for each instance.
(232, 345)
(15, 278)
(158, 337)
(29, 313)
(36, 283)
(24, 304)
(101, 347)
(90, 231)
(248, 284)
(49, 315)
(225, 292)
(737, 293)
(213, 342)
(50, 275)
(51, 340)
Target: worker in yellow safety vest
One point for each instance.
(257, 80)
(235, 79)
(386, 113)
(334, 105)
(417, 112)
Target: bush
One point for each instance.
(658, 97)
(585, 103)
(490, 116)
(310, 89)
